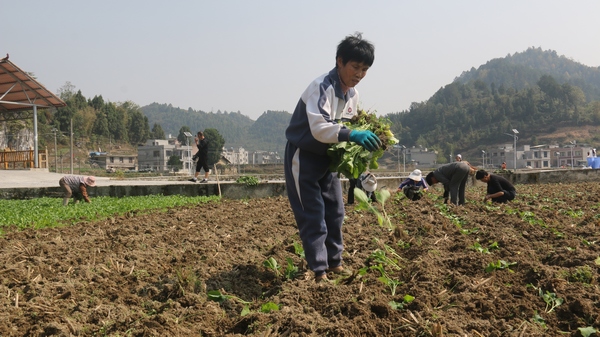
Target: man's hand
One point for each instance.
(366, 139)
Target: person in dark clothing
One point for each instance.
(351, 187)
(499, 189)
(202, 157)
(454, 178)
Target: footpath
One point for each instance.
(42, 178)
(37, 183)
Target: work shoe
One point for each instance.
(341, 275)
(340, 271)
(322, 279)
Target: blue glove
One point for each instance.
(366, 139)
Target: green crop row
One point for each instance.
(49, 212)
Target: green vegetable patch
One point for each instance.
(351, 159)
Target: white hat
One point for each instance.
(369, 183)
(416, 175)
(458, 156)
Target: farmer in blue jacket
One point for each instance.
(315, 193)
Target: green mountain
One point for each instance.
(266, 133)
(231, 125)
(536, 92)
(523, 70)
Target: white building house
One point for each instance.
(239, 157)
(540, 156)
(155, 154)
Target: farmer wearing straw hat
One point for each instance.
(76, 186)
(413, 185)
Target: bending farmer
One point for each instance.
(454, 178)
(499, 189)
(76, 186)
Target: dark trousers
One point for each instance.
(508, 196)
(316, 198)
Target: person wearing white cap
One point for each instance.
(76, 186)
(357, 183)
(413, 185)
(368, 183)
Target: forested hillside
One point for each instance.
(96, 124)
(266, 134)
(535, 92)
(231, 125)
(523, 70)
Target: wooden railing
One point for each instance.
(22, 159)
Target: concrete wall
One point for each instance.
(232, 191)
(270, 189)
(554, 176)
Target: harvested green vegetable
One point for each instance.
(351, 159)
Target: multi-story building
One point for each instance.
(266, 157)
(239, 157)
(540, 156)
(420, 156)
(155, 154)
(113, 162)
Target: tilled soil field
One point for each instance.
(528, 268)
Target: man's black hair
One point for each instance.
(428, 178)
(355, 48)
(480, 174)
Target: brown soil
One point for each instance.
(150, 274)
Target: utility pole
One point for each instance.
(514, 135)
(572, 146)
(55, 154)
(398, 157)
(71, 155)
(404, 157)
(483, 158)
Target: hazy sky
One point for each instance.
(252, 56)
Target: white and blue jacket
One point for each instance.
(313, 126)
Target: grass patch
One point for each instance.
(49, 212)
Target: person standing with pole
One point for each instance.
(202, 157)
